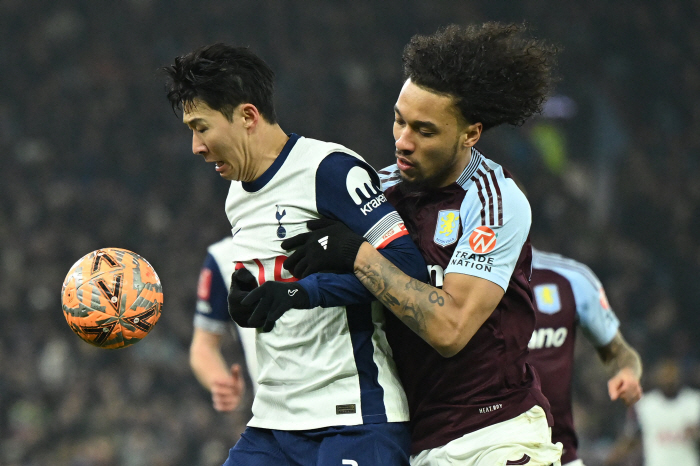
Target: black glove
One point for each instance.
(242, 282)
(271, 300)
(330, 246)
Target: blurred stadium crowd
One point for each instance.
(93, 157)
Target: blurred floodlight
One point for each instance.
(559, 106)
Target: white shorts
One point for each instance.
(525, 439)
(577, 462)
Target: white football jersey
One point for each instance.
(324, 366)
(664, 422)
(212, 304)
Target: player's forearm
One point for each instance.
(430, 312)
(618, 355)
(207, 365)
(330, 289)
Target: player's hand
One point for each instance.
(330, 246)
(625, 385)
(271, 300)
(227, 393)
(242, 282)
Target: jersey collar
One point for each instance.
(267, 175)
(464, 179)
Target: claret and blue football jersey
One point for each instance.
(567, 295)
(477, 226)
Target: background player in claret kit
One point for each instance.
(462, 353)
(211, 323)
(569, 295)
(666, 421)
(328, 392)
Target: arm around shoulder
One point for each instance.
(445, 318)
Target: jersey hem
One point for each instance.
(294, 425)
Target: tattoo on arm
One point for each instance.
(420, 302)
(618, 354)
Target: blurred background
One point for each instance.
(94, 157)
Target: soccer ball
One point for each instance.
(112, 298)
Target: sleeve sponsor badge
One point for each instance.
(547, 298)
(447, 228)
(482, 240)
(204, 285)
(603, 299)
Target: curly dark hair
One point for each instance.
(223, 77)
(494, 71)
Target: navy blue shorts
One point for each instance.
(362, 445)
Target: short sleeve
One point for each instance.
(490, 243)
(211, 313)
(348, 189)
(597, 321)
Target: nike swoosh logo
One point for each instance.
(292, 292)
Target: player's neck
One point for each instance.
(458, 168)
(270, 140)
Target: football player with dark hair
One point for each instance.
(328, 391)
(460, 342)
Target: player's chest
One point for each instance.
(554, 299)
(671, 415)
(434, 224)
(259, 224)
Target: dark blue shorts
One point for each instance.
(363, 445)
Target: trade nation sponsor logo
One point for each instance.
(482, 240)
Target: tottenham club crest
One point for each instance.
(281, 231)
(447, 228)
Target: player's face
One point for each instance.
(433, 142)
(219, 140)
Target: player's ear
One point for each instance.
(250, 114)
(471, 134)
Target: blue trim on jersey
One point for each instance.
(371, 392)
(260, 183)
(218, 294)
(334, 201)
(330, 289)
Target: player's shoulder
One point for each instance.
(691, 394)
(492, 192)
(649, 399)
(324, 149)
(490, 178)
(571, 269)
(221, 250)
(389, 176)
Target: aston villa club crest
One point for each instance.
(547, 298)
(447, 228)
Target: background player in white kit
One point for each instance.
(328, 392)
(666, 421)
(211, 323)
(568, 296)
